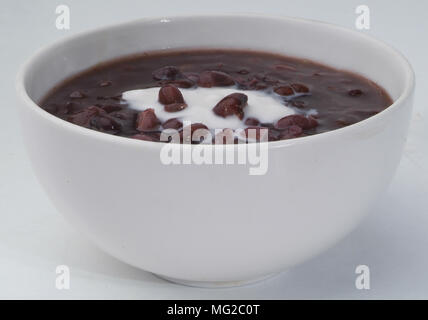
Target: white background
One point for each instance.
(34, 238)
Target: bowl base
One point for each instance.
(216, 284)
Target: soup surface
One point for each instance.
(225, 96)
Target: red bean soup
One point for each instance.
(240, 88)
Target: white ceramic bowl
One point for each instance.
(216, 224)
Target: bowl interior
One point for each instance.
(320, 42)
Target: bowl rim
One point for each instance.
(29, 102)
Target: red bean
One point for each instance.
(355, 93)
(167, 73)
(208, 79)
(296, 119)
(173, 123)
(284, 91)
(300, 88)
(172, 98)
(111, 108)
(170, 94)
(243, 71)
(252, 122)
(77, 95)
(233, 104)
(185, 138)
(105, 84)
(83, 117)
(292, 131)
(147, 120)
(192, 76)
(105, 123)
